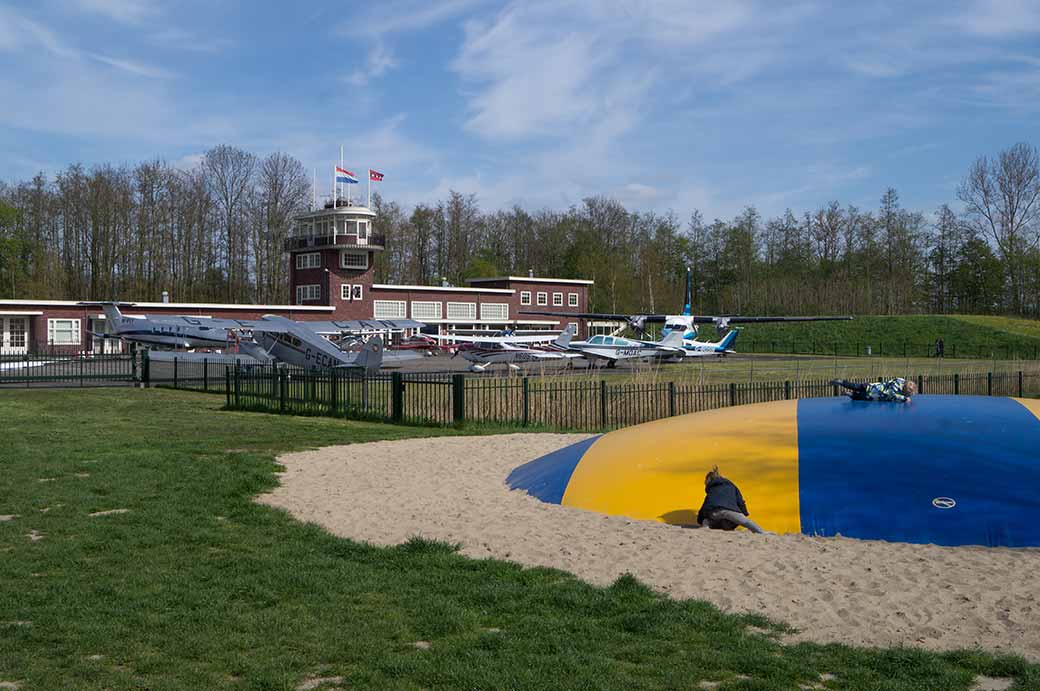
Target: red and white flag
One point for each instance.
(374, 176)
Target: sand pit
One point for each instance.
(832, 590)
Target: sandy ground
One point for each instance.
(831, 589)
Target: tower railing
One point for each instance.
(301, 242)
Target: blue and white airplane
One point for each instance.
(686, 325)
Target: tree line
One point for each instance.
(215, 232)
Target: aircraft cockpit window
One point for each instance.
(596, 340)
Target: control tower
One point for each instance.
(331, 254)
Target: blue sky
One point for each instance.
(665, 105)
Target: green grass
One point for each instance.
(197, 587)
(965, 336)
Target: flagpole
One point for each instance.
(335, 191)
(369, 205)
(314, 189)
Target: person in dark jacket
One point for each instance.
(723, 507)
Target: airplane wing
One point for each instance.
(366, 325)
(763, 320)
(505, 340)
(734, 319)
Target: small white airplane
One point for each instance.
(484, 351)
(613, 349)
(685, 325)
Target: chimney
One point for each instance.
(530, 273)
(166, 296)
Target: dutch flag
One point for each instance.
(343, 175)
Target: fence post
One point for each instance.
(671, 399)
(283, 387)
(787, 390)
(396, 397)
(133, 366)
(989, 383)
(920, 383)
(175, 371)
(603, 402)
(732, 393)
(956, 383)
(227, 386)
(146, 369)
(333, 391)
(205, 374)
(238, 377)
(527, 401)
(458, 398)
(1020, 383)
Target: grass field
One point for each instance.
(964, 336)
(196, 587)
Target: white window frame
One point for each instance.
(357, 291)
(308, 291)
(308, 260)
(487, 314)
(362, 230)
(572, 299)
(557, 299)
(428, 309)
(76, 332)
(525, 297)
(390, 309)
(347, 253)
(543, 298)
(345, 291)
(461, 311)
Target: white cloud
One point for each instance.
(1000, 18)
(124, 11)
(378, 61)
(404, 16)
(18, 32)
(138, 68)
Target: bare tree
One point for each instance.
(1002, 199)
(229, 171)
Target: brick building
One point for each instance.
(331, 253)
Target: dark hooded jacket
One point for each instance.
(721, 494)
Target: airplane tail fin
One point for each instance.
(564, 339)
(371, 355)
(112, 313)
(687, 309)
(729, 339)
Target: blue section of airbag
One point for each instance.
(546, 478)
(873, 470)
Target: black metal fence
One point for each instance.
(26, 370)
(902, 349)
(540, 402)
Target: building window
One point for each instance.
(358, 292)
(426, 310)
(389, 309)
(353, 260)
(348, 291)
(525, 297)
(462, 311)
(311, 291)
(572, 299)
(362, 230)
(310, 260)
(63, 332)
(543, 299)
(557, 299)
(494, 311)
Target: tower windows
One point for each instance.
(309, 260)
(353, 260)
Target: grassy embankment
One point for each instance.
(965, 336)
(195, 586)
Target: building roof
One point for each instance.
(444, 289)
(531, 279)
(172, 305)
